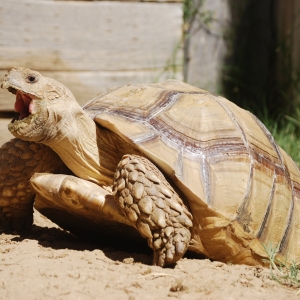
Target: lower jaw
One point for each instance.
(21, 128)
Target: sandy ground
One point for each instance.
(53, 264)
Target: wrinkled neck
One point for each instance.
(90, 151)
(76, 142)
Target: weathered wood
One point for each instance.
(90, 46)
(91, 36)
(159, 1)
(86, 85)
(206, 47)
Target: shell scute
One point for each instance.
(220, 156)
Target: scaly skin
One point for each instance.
(155, 209)
(19, 160)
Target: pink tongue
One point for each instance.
(22, 105)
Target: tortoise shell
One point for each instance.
(242, 188)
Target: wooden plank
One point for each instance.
(159, 1)
(87, 85)
(207, 48)
(5, 134)
(88, 35)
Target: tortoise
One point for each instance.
(168, 162)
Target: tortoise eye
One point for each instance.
(31, 78)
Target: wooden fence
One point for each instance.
(90, 46)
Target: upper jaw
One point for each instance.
(24, 105)
(12, 81)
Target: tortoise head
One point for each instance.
(42, 104)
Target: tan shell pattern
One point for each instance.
(242, 188)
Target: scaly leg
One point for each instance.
(19, 160)
(153, 206)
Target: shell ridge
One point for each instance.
(131, 114)
(271, 140)
(290, 212)
(263, 224)
(113, 112)
(241, 211)
(170, 100)
(288, 179)
(144, 138)
(97, 98)
(179, 164)
(180, 146)
(204, 172)
(164, 129)
(288, 226)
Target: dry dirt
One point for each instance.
(53, 264)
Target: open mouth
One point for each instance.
(23, 105)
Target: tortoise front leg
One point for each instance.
(80, 206)
(19, 160)
(153, 206)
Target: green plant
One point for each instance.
(195, 17)
(286, 134)
(173, 65)
(288, 275)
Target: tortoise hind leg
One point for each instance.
(19, 160)
(153, 206)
